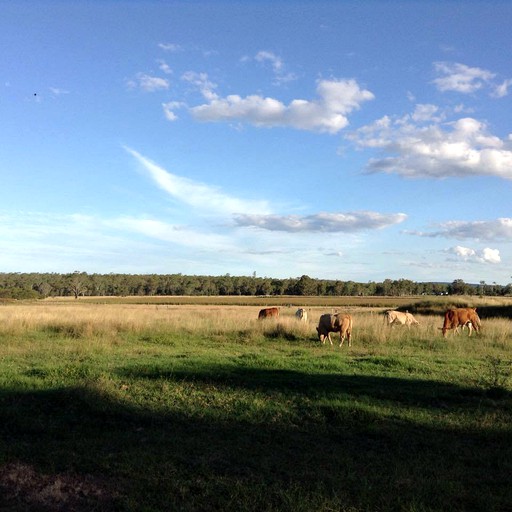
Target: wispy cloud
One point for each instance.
(501, 90)
(328, 113)
(322, 222)
(421, 145)
(201, 196)
(56, 91)
(202, 83)
(170, 47)
(280, 74)
(176, 234)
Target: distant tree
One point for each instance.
(77, 284)
(458, 287)
(305, 286)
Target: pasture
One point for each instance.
(193, 405)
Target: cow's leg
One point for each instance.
(342, 338)
(349, 338)
(329, 336)
(470, 328)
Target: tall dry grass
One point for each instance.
(111, 323)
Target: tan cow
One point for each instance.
(302, 315)
(268, 313)
(339, 322)
(398, 317)
(461, 317)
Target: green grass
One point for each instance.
(158, 420)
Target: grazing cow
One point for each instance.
(461, 317)
(301, 314)
(397, 317)
(268, 313)
(341, 323)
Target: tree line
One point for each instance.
(41, 285)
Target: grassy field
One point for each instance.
(176, 404)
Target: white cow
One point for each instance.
(397, 317)
(301, 314)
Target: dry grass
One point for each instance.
(107, 322)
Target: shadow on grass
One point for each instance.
(343, 456)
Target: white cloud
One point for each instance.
(170, 47)
(328, 113)
(169, 109)
(58, 92)
(148, 83)
(494, 230)
(421, 145)
(203, 83)
(164, 67)
(461, 78)
(501, 90)
(321, 222)
(280, 76)
(275, 61)
(198, 195)
(486, 255)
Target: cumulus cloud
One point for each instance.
(148, 83)
(493, 230)
(422, 145)
(322, 222)
(486, 255)
(328, 113)
(198, 195)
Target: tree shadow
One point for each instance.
(340, 453)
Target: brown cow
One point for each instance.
(341, 323)
(268, 313)
(460, 317)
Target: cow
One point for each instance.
(461, 317)
(339, 322)
(398, 317)
(301, 314)
(268, 313)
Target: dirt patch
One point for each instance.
(24, 488)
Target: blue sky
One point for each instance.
(343, 140)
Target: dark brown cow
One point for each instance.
(268, 313)
(460, 317)
(341, 323)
